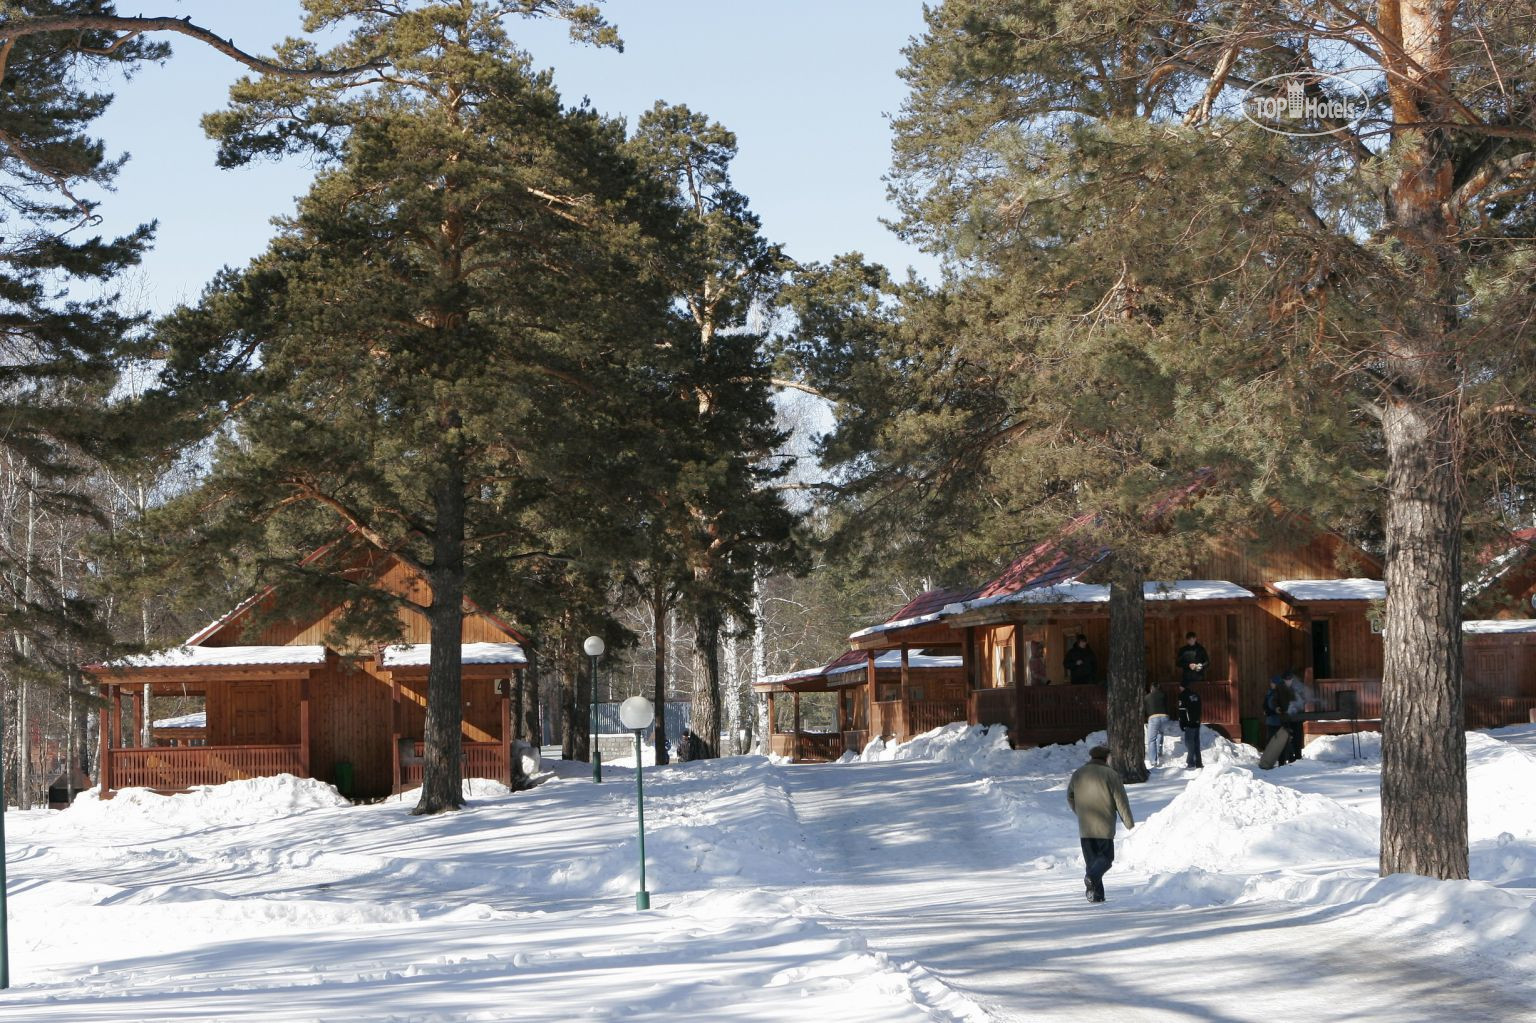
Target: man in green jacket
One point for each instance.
(1096, 794)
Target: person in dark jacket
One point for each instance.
(1082, 667)
(687, 747)
(1277, 700)
(1189, 722)
(1192, 659)
(1097, 795)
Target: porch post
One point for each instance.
(1234, 668)
(394, 737)
(1305, 639)
(506, 731)
(773, 720)
(869, 686)
(795, 753)
(139, 712)
(1020, 673)
(104, 769)
(304, 728)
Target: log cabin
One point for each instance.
(914, 692)
(1013, 631)
(1313, 605)
(282, 695)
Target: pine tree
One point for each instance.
(718, 518)
(1357, 283)
(424, 356)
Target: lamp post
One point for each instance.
(594, 647)
(5, 955)
(637, 713)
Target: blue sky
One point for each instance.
(806, 87)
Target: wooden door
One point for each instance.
(250, 706)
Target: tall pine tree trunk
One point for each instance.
(704, 717)
(442, 774)
(659, 612)
(1127, 672)
(568, 724)
(1423, 743)
(759, 669)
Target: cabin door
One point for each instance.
(1322, 651)
(251, 714)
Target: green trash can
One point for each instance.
(1252, 734)
(342, 772)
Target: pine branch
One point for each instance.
(135, 26)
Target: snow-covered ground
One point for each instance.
(939, 880)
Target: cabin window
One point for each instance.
(916, 692)
(889, 692)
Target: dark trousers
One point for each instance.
(1192, 746)
(1098, 855)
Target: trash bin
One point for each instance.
(342, 772)
(1253, 735)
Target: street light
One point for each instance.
(5, 954)
(637, 713)
(594, 647)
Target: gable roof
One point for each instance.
(242, 611)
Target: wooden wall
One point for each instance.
(392, 576)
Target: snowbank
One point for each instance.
(1229, 821)
(236, 802)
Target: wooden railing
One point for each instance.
(480, 760)
(1062, 714)
(175, 768)
(815, 747)
(991, 707)
(888, 719)
(1367, 695)
(926, 715)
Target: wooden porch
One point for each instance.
(179, 768)
(1049, 715)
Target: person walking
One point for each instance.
(1189, 722)
(1080, 663)
(1156, 708)
(1097, 795)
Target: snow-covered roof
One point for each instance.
(1307, 590)
(1074, 592)
(223, 656)
(798, 675)
(892, 659)
(413, 655)
(1489, 626)
(901, 623)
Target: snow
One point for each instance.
(209, 656)
(936, 880)
(903, 623)
(1486, 626)
(196, 720)
(420, 654)
(1072, 591)
(915, 659)
(1306, 590)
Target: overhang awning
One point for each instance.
(1162, 596)
(478, 660)
(1310, 591)
(196, 663)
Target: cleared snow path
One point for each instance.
(988, 898)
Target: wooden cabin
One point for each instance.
(278, 699)
(1013, 631)
(914, 692)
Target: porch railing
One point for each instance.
(480, 760)
(166, 767)
(926, 715)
